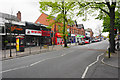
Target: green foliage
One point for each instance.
(106, 22)
(117, 19)
(57, 9)
(6, 41)
(48, 27)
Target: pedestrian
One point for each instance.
(61, 43)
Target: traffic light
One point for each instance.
(51, 34)
(115, 31)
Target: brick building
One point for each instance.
(43, 20)
(89, 33)
(56, 28)
(74, 30)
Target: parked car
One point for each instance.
(87, 42)
(81, 43)
(96, 40)
(93, 40)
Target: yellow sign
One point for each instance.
(17, 44)
(45, 46)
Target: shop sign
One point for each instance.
(69, 34)
(72, 34)
(45, 33)
(15, 28)
(33, 32)
(58, 34)
(81, 36)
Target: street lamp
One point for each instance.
(10, 39)
(10, 34)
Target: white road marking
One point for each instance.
(13, 69)
(85, 72)
(38, 62)
(33, 63)
(47, 59)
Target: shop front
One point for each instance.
(73, 40)
(46, 39)
(79, 38)
(11, 31)
(58, 39)
(32, 37)
(69, 38)
(37, 34)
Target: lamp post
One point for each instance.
(10, 34)
(10, 39)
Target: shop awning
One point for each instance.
(81, 36)
(58, 35)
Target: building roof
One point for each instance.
(43, 20)
(88, 29)
(80, 26)
(8, 17)
(52, 16)
(38, 24)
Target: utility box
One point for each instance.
(19, 43)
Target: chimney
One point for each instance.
(19, 15)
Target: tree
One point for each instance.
(106, 20)
(62, 9)
(105, 8)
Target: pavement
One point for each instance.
(5, 55)
(113, 60)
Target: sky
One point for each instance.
(30, 12)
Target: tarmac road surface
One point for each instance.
(66, 63)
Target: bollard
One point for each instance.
(108, 52)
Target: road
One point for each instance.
(66, 63)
